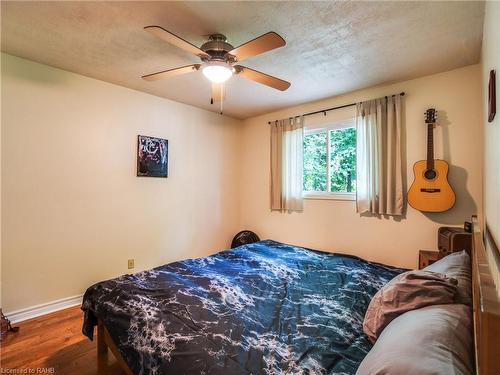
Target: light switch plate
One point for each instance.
(130, 264)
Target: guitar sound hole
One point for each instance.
(430, 174)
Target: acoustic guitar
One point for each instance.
(431, 191)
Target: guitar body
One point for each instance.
(433, 194)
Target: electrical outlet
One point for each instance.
(130, 264)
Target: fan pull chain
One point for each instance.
(222, 96)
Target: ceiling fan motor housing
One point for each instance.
(217, 47)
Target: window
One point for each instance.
(330, 161)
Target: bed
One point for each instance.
(263, 308)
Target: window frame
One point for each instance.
(328, 195)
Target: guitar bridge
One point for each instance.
(424, 190)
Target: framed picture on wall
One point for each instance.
(152, 156)
(492, 97)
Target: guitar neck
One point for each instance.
(430, 146)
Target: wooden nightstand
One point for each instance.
(426, 257)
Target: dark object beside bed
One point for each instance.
(245, 237)
(263, 308)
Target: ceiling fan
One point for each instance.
(218, 59)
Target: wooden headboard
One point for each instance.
(486, 307)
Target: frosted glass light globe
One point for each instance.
(217, 72)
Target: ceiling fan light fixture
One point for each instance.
(217, 71)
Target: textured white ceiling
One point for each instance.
(332, 47)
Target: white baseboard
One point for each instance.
(44, 308)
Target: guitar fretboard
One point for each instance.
(430, 146)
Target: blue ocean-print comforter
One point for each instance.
(265, 308)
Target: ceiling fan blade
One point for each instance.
(177, 41)
(171, 72)
(262, 78)
(261, 44)
(218, 92)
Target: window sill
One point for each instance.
(330, 196)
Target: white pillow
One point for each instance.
(458, 266)
(433, 340)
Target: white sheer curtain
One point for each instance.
(287, 142)
(379, 187)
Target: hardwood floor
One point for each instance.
(54, 341)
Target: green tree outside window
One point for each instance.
(341, 156)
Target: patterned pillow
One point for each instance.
(407, 291)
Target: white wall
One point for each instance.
(491, 60)
(0, 190)
(73, 210)
(334, 225)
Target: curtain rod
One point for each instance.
(332, 108)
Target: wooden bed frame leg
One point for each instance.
(105, 342)
(102, 350)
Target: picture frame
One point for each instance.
(492, 99)
(152, 156)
